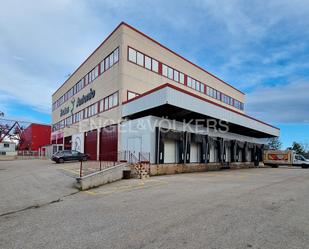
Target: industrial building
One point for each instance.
(34, 136)
(7, 148)
(134, 94)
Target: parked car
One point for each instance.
(69, 155)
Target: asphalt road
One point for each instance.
(254, 208)
(27, 183)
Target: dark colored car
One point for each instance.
(69, 155)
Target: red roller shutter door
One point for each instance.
(109, 143)
(91, 144)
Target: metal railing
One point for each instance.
(144, 157)
(26, 155)
(141, 158)
(108, 160)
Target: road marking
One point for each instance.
(90, 192)
(120, 189)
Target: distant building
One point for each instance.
(34, 137)
(7, 149)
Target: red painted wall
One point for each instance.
(109, 143)
(91, 144)
(35, 136)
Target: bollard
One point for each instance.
(81, 168)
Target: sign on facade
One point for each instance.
(78, 142)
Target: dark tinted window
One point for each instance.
(74, 153)
(67, 153)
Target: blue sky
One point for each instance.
(260, 47)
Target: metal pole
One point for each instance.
(81, 169)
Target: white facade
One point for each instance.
(8, 148)
(171, 96)
(130, 74)
(143, 131)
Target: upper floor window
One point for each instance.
(177, 76)
(140, 59)
(155, 66)
(132, 95)
(189, 82)
(132, 55)
(148, 62)
(143, 60)
(111, 101)
(105, 64)
(181, 78)
(91, 110)
(116, 55)
(164, 70)
(202, 87)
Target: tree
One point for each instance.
(298, 148)
(274, 143)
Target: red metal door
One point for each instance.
(109, 143)
(91, 144)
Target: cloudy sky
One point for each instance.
(260, 47)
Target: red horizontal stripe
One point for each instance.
(141, 33)
(195, 96)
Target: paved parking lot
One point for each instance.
(254, 208)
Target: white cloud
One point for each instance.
(42, 43)
(281, 103)
(244, 42)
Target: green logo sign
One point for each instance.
(72, 105)
(85, 98)
(80, 101)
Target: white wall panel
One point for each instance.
(194, 153)
(169, 151)
(185, 101)
(78, 142)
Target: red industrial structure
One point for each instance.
(34, 137)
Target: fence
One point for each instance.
(26, 154)
(109, 160)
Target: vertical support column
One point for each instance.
(224, 151)
(219, 149)
(261, 153)
(204, 149)
(187, 147)
(98, 144)
(159, 146)
(233, 151)
(208, 149)
(256, 157)
(244, 153)
(181, 148)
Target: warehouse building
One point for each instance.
(34, 136)
(134, 94)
